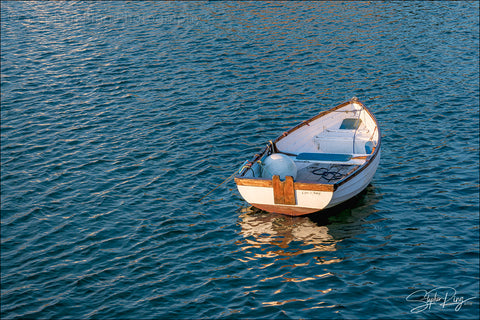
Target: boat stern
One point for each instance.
(285, 197)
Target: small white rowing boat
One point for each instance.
(318, 164)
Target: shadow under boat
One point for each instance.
(338, 213)
(342, 212)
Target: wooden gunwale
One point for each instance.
(298, 185)
(306, 122)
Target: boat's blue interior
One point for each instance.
(337, 157)
(350, 124)
(369, 145)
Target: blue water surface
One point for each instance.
(117, 117)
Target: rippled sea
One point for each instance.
(117, 117)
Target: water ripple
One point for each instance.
(117, 117)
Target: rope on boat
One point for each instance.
(270, 149)
(247, 164)
(217, 186)
(373, 133)
(328, 175)
(274, 148)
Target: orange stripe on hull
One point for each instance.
(291, 211)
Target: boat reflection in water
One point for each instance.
(296, 254)
(270, 235)
(276, 232)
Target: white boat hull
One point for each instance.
(306, 195)
(356, 185)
